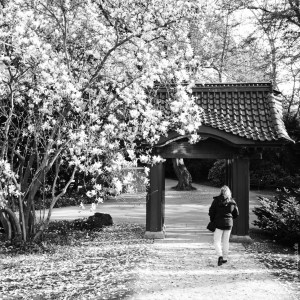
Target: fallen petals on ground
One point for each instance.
(91, 265)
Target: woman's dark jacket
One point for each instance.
(222, 212)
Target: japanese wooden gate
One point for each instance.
(239, 120)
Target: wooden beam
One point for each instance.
(207, 149)
(228, 173)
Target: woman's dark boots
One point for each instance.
(220, 261)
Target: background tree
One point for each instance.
(215, 45)
(279, 21)
(261, 46)
(183, 175)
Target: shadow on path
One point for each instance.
(184, 264)
(186, 212)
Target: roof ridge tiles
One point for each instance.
(276, 117)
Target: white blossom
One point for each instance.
(95, 112)
(118, 185)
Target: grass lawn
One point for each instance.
(74, 264)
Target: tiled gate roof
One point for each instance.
(247, 110)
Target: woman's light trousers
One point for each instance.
(221, 242)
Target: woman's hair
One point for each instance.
(225, 192)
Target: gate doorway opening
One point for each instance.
(237, 178)
(186, 212)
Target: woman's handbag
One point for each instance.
(211, 226)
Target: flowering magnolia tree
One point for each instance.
(77, 86)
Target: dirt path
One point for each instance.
(183, 266)
(189, 271)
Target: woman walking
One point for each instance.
(222, 212)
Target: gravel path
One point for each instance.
(184, 265)
(189, 271)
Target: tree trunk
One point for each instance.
(183, 175)
(6, 225)
(10, 223)
(45, 224)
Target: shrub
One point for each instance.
(289, 181)
(280, 216)
(199, 168)
(70, 199)
(267, 174)
(95, 222)
(217, 173)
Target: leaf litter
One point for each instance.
(80, 265)
(102, 265)
(283, 261)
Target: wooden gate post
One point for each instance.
(155, 203)
(228, 173)
(240, 192)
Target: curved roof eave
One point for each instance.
(228, 138)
